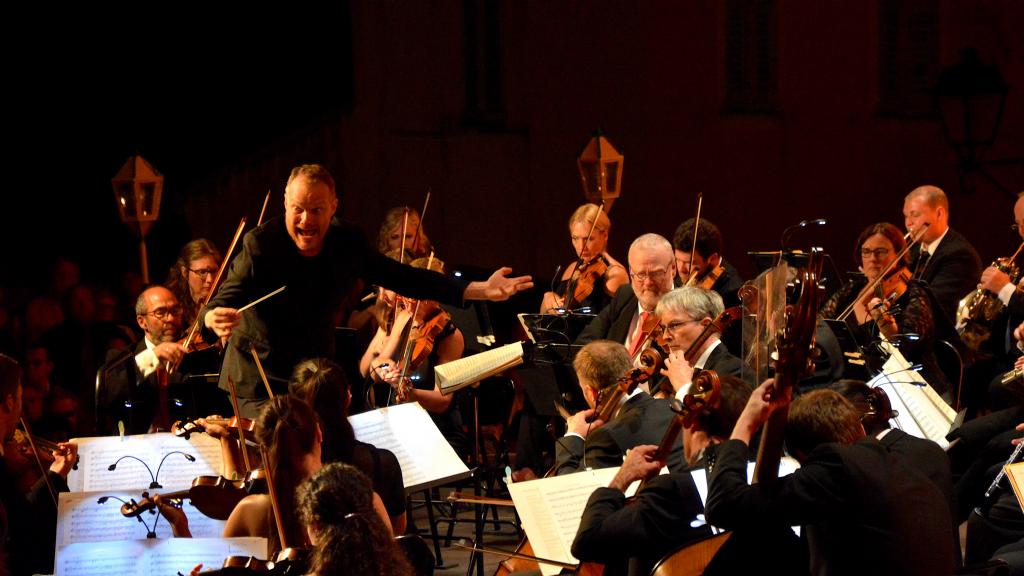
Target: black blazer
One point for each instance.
(863, 510)
(299, 322)
(613, 322)
(662, 516)
(643, 419)
(952, 272)
(726, 364)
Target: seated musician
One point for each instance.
(703, 262)
(191, 277)
(322, 384)
(684, 314)
(139, 391)
(389, 237)
(667, 512)
(921, 454)
(863, 510)
(383, 360)
(288, 427)
(652, 271)
(897, 307)
(336, 507)
(28, 519)
(640, 419)
(588, 229)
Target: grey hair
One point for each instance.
(651, 241)
(698, 303)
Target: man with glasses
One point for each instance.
(944, 258)
(684, 313)
(138, 390)
(652, 269)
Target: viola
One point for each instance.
(707, 280)
(214, 496)
(651, 363)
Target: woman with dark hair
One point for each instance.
(288, 427)
(898, 306)
(336, 506)
(191, 277)
(323, 385)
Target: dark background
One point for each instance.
(776, 111)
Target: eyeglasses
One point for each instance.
(654, 275)
(161, 313)
(203, 272)
(674, 327)
(877, 252)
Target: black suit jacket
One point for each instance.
(662, 517)
(862, 509)
(641, 420)
(613, 322)
(129, 397)
(27, 524)
(952, 272)
(299, 322)
(726, 364)
(728, 285)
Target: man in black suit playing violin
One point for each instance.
(640, 419)
(137, 389)
(685, 313)
(667, 512)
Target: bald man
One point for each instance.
(652, 270)
(139, 391)
(944, 258)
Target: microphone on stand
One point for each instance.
(801, 224)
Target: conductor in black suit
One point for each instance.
(319, 260)
(864, 511)
(684, 314)
(640, 419)
(944, 258)
(652, 271)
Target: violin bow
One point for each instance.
(263, 375)
(419, 231)
(272, 491)
(194, 330)
(241, 431)
(690, 279)
(39, 462)
(263, 212)
(410, 343)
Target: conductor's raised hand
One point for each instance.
(500, 286)
(222, 321)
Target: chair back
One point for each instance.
(418, 552)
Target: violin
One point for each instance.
(287, 562)
(214, 496)
(189, 427)
(707, 280)
(582, 280)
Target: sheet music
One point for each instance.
(551, 508)
(152, 557)
(81, 519)
(787, 466)
(177, 473)
(458, 374)
(407, 430)
(922, 412)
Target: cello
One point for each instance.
(793, 363)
